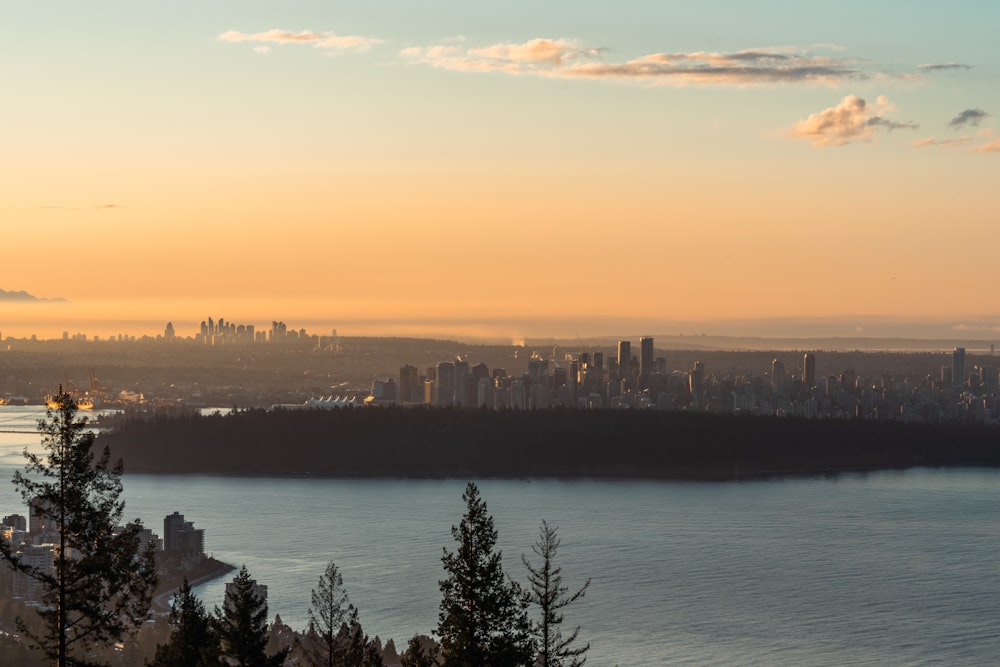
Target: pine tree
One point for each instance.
(549, 593)
(483, 618)
(99, 587)
(418, 654)
(358, 649)
(242, 625)
(334, 637)
(193, 642)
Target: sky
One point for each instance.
(516, 168)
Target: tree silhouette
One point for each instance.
(483, 618)
(548, 592)
(334, 637)
(420, 652)
(193, 642)
(99, 586)
(242, 625)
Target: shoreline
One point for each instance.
(202, 573)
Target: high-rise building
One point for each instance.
(445, 384)
(171, 524)
(624, 359)
(559, 378)
(180, 536)
(990, 379)
(696, 384)
(462, 371)
(573, 381)
(958, 367)
(42, 558)
(809, 369)
(518, 395)
(778, 377)
(484, 392)
(645, 356)
(409, 390)
(15, 521)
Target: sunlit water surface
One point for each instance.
(892, 568)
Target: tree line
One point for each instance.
(472, 443)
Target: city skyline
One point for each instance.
(502, 171)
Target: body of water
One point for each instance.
(890, 568)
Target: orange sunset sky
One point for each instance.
(499, 168)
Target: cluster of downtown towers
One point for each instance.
(589, 381)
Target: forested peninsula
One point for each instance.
(462, 443)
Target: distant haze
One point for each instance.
(138, 318)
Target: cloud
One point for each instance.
(566, 58)
(968, 117)
(851, 120)
(931, 67)
(891, 125)
(541, 56)
(321, 40)
(989, 147)
(931, 141)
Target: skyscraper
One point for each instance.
(410, 389)
(645, 357)
(624, 359)
(696, 384)
(958, 367)
(445, 384)
(778, 378)
(809, 369)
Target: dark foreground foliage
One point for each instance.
(426, 442)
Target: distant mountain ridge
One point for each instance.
(21, 295)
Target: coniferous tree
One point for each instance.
(241, 625)
(548, 592)
(358, 649)
(418, 654)
(99, 587)
(334, 637)
(193, 642)
(483, 619)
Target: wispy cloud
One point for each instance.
(968, 117)
(989, 147)
(321, 40)
(851, 120)
(932, 141)
(566, 58)
(935, 67)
